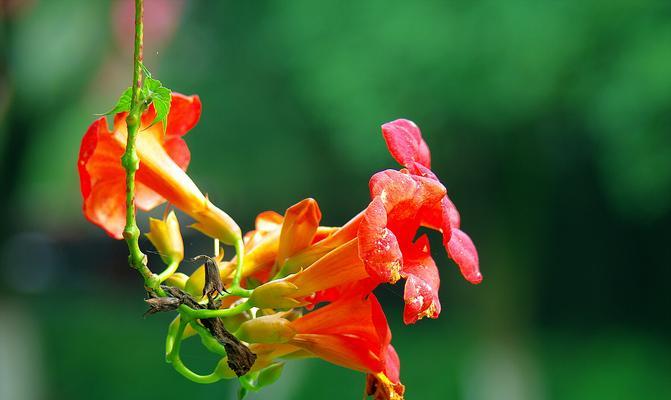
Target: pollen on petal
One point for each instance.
(378, 247)
(422, 283)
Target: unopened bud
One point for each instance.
(177, 280)
(266, 329)
(223, 370)
(167, 239)
(216, 224)
(298, 229)
(275, 294)
(270, 375)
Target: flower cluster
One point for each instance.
(303, 290)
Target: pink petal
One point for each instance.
(462, 250)
(422, 284)
(378, 247)
(405, 143)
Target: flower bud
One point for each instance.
(298, 229)
(275, 294)
(223, 370)
(266, 329)
(270, 374)
(177, 280)
(165, 236)
(233, 322)
(217, 224)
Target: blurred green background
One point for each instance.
(548, 121)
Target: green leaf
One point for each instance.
(150, 85)
(154, 92)
(123, 104)
(242, 393)
(161, 100)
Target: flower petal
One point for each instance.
(179, 152)
(405, 143)
(358, 288)
(101, 178)
(352, 332)
(298, 229)
(88, 149)
(183, 116)
(442, 217)
(268, 221)
(311, 254)
(392, 364)
(404, 196)
(423, 281)
(338, 267)
(378, 247)
(105, 206)
(146, 198)
(462, 250)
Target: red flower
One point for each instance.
(402, 202)
(353, 333)
(161, 177)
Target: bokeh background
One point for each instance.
(548, 121)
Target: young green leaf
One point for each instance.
(154, 92)
(161, 100)
(150, 85)
(123, 104)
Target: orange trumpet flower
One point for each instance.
(164, 158)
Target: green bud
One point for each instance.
(266, 329)
(177, 280)
(270, 374)
(275, 294)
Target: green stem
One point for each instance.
(206, 314)
(130, 160)
(171, 337)
(236, 289)
(208, 340)
(179, 366)
(247, 382)
(170, 269)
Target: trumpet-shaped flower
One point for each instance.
(351, 332)
(163, 159)
(408, 148)
(402, 201)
